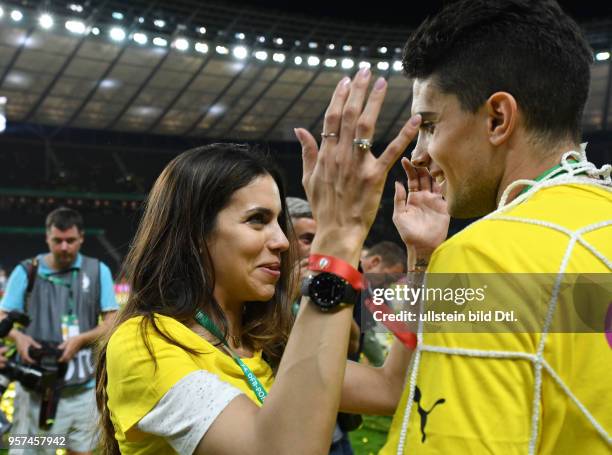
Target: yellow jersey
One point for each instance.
(492, 393)
(135, 384)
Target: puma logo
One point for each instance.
(422, 412)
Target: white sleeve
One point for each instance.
(188, 409)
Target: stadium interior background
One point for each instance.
(96, 97)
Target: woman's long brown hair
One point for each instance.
(169, 267)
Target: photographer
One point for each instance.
(64, 293)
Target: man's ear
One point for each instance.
(502, 113)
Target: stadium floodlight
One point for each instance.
(45, 21)
(347, 48)
(95, 31)
(298, 60)
(140, 38)
(278, 57)
(602, 56)
(240, 36)
(261, 39)
(117, 34)
(330, 62)
(312, 45)
(202, 30)
(383, 66)
(222, 50)
(313, 60)
(75, 7)
(261, 55)
(240, 52)
(141, 20)
(109, 83)
(181, 44)
(16, 15)
(364, 64)
(347, 63)
(76, 27)
(2, 114)
(331, 46)
(382, 50)
(159, 41)
(397, 65)
(278, 41)
(159, 23)
(117, 15)
(202, 48)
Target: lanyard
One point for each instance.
(67, 284)
(258, 389)
(553, 171)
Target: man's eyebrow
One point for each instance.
(427, 115)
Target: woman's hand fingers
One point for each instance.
(397, 146)
(309, 153)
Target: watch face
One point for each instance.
(327, 290)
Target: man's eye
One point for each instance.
(428, 126)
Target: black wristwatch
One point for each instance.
(327, 291)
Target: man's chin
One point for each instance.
(64, 263)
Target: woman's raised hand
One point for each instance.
(343, 180)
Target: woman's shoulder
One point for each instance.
(156, 332)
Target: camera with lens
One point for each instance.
(45, 377)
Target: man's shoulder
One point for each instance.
(94, 262)
(532, 236)
(566, 206)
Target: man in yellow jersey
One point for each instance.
(501, 87)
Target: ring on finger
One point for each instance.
(325, 135)
(362, 144)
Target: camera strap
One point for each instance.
(257, 388)
(32, 271)
(68, 285)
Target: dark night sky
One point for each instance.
(405, 11)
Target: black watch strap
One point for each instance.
(329, 291)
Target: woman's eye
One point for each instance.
(256, 219)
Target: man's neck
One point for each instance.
(529, 162)
(50, 261)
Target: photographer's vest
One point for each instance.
(73, 294)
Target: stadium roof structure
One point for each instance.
(189, 68)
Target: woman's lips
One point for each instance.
(272, 270)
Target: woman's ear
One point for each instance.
(502, 112)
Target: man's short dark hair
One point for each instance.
(528, 48)
(64, 218)
(390, 253)
(298, 207)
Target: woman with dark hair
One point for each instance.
(194, 352)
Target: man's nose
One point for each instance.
(419, 158)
